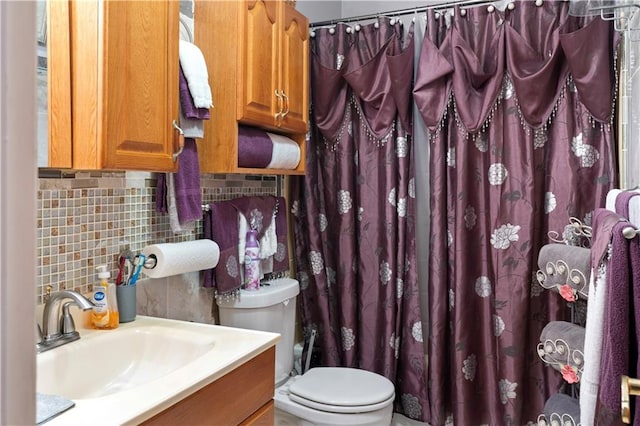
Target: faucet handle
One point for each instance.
(39, 336)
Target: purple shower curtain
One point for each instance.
(520, 109)
(354, 212)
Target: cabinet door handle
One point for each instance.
(180, 136)
(628, 387)
(286, 104)
(279, 114)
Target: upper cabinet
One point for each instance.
(257, 54)
(123, 76)
(274, 42)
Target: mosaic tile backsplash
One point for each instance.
(86, 219)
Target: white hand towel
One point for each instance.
(268, 243)
(195, 71)
(191, 128)
(174, 221)
(590, 380)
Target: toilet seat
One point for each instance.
(342, 390)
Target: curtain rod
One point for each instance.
(420, 9)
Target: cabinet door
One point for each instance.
(58, 87)
(125, 84)
(140, 84)
(294, 78)
(258, 63)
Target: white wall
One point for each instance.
(324, 10)
(17, 212)
(320, 10)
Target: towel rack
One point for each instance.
(629, 387)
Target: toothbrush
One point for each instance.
(139, 263)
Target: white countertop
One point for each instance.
(129, 407)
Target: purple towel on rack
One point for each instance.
(161, 193)
(255, 147)
(618, 325)
(603, 222)
(281, 258)
(189, 110)
(633, 370)
(221, 225)
(187, 183)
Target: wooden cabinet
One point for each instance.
(257, 54)
(124, 86)
(274, 66)
(243, 396)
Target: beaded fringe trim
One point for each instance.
(506, 84)
(332, 144)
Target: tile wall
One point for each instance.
(84, 219)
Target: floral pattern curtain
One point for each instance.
(354, 211)
(520, 105)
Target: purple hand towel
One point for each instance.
(622, 207)
(161, 193)
(603, 223)
(187, 184)
(281, 258)
(255, 147)
(615, 349)
(257, 210)
(189, 109)
(221, 226)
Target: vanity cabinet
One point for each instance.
(123, 79)
(243, 396)
(257, 54)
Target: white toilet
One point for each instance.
(323, 395)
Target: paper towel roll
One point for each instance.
(178, 258)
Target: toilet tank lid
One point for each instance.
(270, 293)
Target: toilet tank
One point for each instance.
(271, 308)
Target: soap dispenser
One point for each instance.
(105, 312)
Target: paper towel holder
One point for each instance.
(150, 262)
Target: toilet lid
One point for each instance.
(339, 389)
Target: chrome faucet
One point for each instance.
(58, 329)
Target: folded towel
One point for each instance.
(565, 269)
(603, 223)
(187, 184)
(186, 28)
(172, 209)
(191, 128)
(623, 266)
(254, 147)
(281, 258)
(222, 226)
(260, 149)
(562, 347)
(590, 380)
(189, 110)
(563, 409)
(49, 406)
(195, 71)
(286, 153)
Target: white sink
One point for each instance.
(101, 364)
(136, 371)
